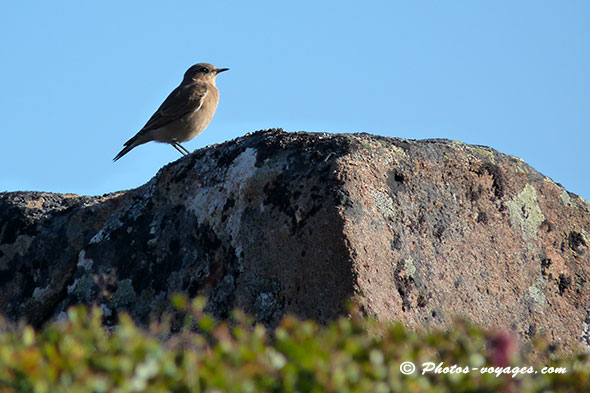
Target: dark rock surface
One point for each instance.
(276, 222)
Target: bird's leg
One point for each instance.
(183, 148)
(178, 147)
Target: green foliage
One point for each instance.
(78, 354)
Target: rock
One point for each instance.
(274, 222)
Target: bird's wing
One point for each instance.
(182, 100)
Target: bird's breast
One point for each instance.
(201, 117)
(191, 124)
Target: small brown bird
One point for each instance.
(184, 114)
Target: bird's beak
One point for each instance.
(221, 70)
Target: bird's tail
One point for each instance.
(132, 143)
(125, 150)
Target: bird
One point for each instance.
(186, 112)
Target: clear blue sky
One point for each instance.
(78, 80)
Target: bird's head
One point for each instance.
(202, 72)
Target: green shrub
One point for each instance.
(78, 354)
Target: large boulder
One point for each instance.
(274, 222)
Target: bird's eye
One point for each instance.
(205, 70)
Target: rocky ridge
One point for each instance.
(274, 222)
